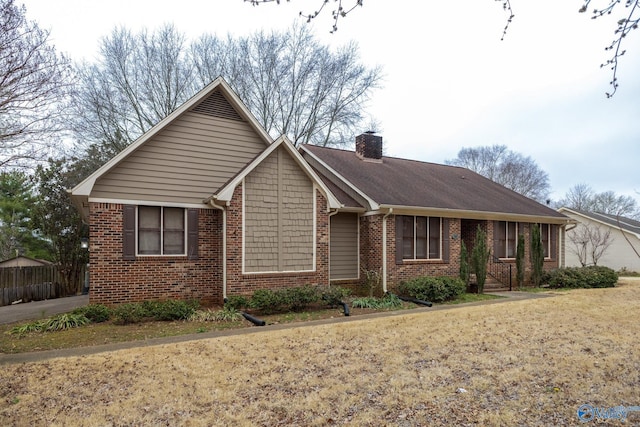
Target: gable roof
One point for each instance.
(619, 222)
(225, 193)
(413, 185)
(83, 189)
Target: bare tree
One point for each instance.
(579, 238)
(589, 242)
(139, 80)
(578, 197)
(582, 197)
(33, 82)
(513, 170)
(293, 84)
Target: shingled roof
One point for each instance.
(627, 224)
(402, 183)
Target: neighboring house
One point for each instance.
(206, 205)
(23, 261)
(622, 249)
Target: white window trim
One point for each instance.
(161, 254)
(506, 240)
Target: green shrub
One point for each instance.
(465, 266)
(60, 322)
(300, 298)
(227, 314)
(581, 277)
(37, 326)
(520, 267)
(267, 301)
(237, 302)
(536, 255)
(271, 301)
(334, 295)
(389, 301)
(169, 310)
(434, 289)
(97, 313)
(479, 259)
(65, 321)
(125, 314)
(365, 302)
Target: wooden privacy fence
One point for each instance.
(35, 283)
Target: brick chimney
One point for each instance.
(369, 147)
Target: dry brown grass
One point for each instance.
(531, 362)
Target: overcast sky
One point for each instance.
(450, 82)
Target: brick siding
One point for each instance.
(371, 252)
(114, 280)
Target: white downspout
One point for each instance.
(329, 248)
(384, 250)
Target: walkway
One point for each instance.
(35, 310)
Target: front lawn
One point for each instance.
(110, 332)
(532, 362)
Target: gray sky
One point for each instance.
(450, 82)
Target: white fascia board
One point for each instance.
(373, 205)
(86, 186)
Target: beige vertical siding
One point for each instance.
(343, 262)
(184, 163)
(278, 216)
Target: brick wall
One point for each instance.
(371, 251)
(524, 229)
(115, 280)
(411, 269)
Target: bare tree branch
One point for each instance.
(625, 26)
(293, 84)
(513, 170)
(589, 243)
(34, 81)
(340, 11)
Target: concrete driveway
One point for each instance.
(41, 309)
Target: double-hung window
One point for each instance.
(545, 236)
(507, 238)
(161, 230)
(421, 237)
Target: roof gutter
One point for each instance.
(384, 250)
(470, 214)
